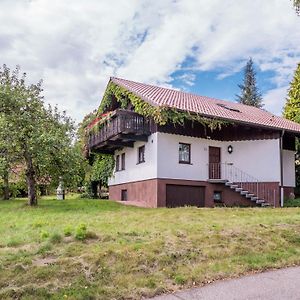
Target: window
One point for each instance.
(123, 161)
(118, 163)
(184, 153)
(217, 197)
(141, 154)
(123, 195)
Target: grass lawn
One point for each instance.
(128, 252)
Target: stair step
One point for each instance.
(238, 189)
(228, 183)
(260, 201)
(250, 195)
(265, 204)
(254, 198)
(243, 192)
(234, 186)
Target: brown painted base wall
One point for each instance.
(287, 191)
(152, 192)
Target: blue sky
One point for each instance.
(195, 45)
(208, 83)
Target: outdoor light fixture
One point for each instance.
(230, 149)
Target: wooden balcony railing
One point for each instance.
(123, 124)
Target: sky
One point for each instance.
(198, 46)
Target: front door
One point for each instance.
(214, 163)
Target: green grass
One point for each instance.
(98, 249)
(292, 202)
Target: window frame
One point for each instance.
(140, 161)
(179, 158)
(124, 195)
(123, 161)
(117, 163)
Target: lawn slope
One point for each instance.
(98, 249)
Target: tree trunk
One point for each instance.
(30, 178)
(6, 185)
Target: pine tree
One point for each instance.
(291, 109)
(250, 94)
(297, 6)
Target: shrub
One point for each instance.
(68, 231)
(81, 232)
(44, 234)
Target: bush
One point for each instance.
(44, 234)
(81, 232)
(68, 231)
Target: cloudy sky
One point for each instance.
(199, 46)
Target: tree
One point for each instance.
(42, 135)
(291, 111)
(250, 94)
(9, 156)
(99, 167)
(296, 4)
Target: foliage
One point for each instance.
(160, 114)
(292, 202)
(172, 249)
(250, 94)
(296, 4)
(9, 156)
(100, 166)
(42, 136)
(81, 232)
(291, 111)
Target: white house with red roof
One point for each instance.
(247, 158)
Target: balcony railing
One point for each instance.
(123, 124)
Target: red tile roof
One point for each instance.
(205, 106)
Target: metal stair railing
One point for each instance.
(228, 172)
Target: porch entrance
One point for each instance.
(214, 163)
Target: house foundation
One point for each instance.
(177, 192)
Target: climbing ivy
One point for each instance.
(160, 114)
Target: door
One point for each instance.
(184, 195)
(214, 163)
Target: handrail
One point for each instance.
(126, 123)
(245, 181)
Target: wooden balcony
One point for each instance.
(121, 130)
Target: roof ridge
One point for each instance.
(206, 106)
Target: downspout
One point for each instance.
(281, 168)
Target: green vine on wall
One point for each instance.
(160, 114)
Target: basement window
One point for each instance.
(218, 197)
(123, 195)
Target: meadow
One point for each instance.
(99, 249)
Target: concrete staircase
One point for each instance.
(248, 195)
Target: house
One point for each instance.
(173, 148)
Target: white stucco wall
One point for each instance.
(257, 158)
(134, 171)
(289, 176)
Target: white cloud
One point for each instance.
(75, 46)
(274, 99)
